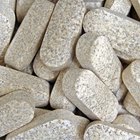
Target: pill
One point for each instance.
(58, 99)
(11, 80)
(131, 78)
(105, 131)
(27, 40)
(62, 33)
(136, 5)
(96, 54)
(7, 23)
(90, 95)
(120, 6)
(42, 70)
(131, 105)
(128, 121)
(121, 93)
(57, 125)
(16, 110)
(91, 4)
(122, 31)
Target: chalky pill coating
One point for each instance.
(62, 34)
(127, 121)
(131, 78)
(16, 110)
(55, 125)
(58, 99)
(131, 105)
(7, 24)
(42, 70)
(105, 131)
(122, 31)
(11, 80)
(136, 5)
(27, 40)
(90, 95)
(120, 6)
(96, 54)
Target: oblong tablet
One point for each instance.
(11, 80)
(106, 131)
(96, 54)
(131, 78)
(7, 24)
(90, 95)
(122, 31)
(16, 110)
(27, 39)
(58, 99)
(54, 125)
(62, 33)
(120, 6)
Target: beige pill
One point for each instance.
(105, 131)
(121, 93)
(13, 80)
(122, 31)
(131, 105)
(91, 4)
(7, 24)
(55, 125)
(96, 54)
(120, 6)
(27, 40)
(42, 70)
(90, 95)
(58, 99)
(136, 5)
(62, 33)
(131, 78)
(16, 110)
(128, 121)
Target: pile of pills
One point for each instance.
(69, 70)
